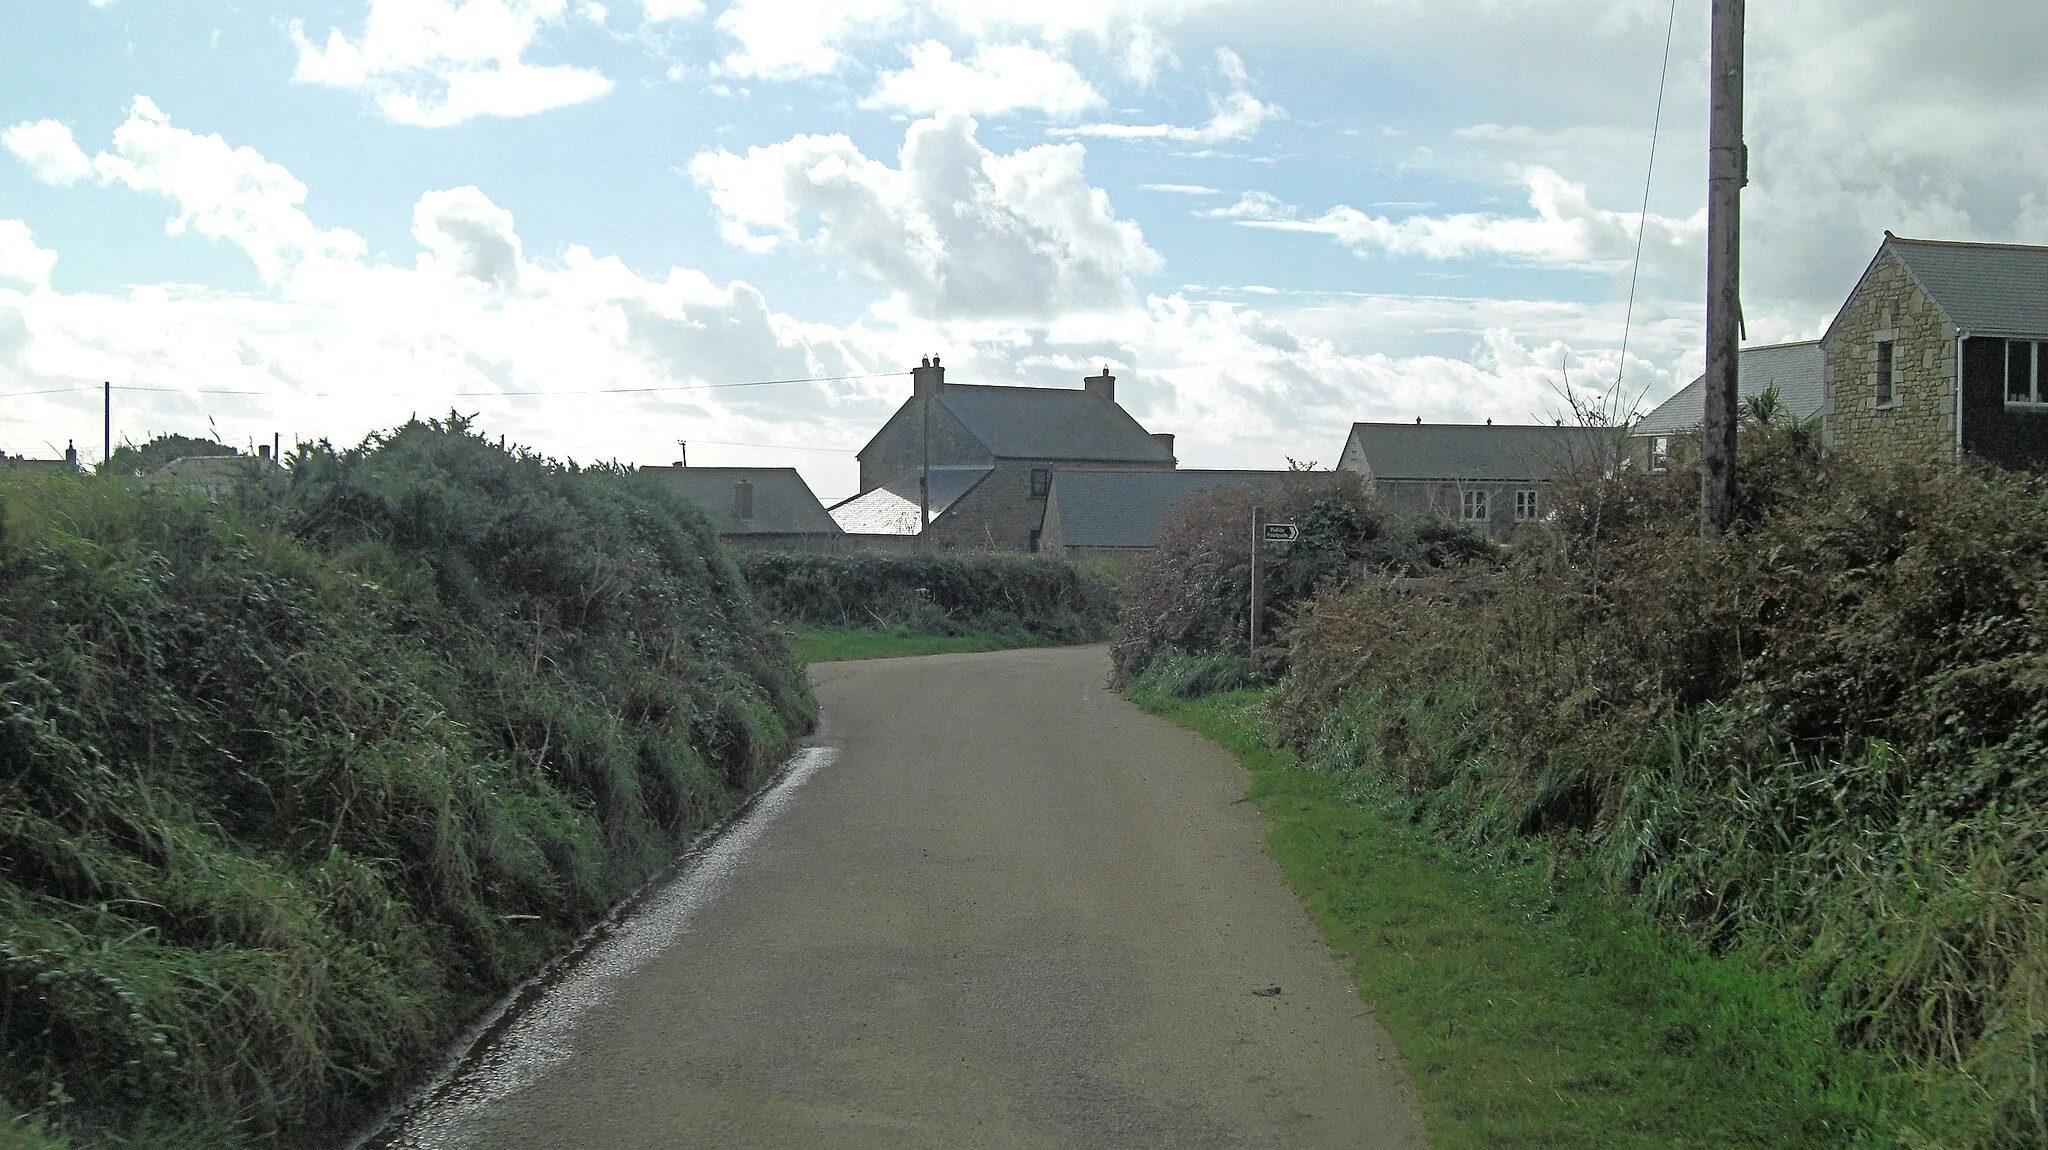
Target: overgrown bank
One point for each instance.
(1814, 746)
(296, 782)
(955, 593)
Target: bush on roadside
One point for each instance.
(1818, 741)
(947, 593)
(298, 781)
(1192, 595)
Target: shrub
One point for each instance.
(1193, 593)
(298, 781)
(943, 593)
(1818, 740)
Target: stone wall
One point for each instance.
(1888, 305)
(1445, 499)
(1001, 513)
(899, 446)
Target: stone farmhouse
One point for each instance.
(1670, 434)
(1490, 477)
(1120, 512)
(1942, 347)
(757, 508)
(991, 452)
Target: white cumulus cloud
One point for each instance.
(21, 258)
(1566, 230)
(223, 192)
(999, 79)
(954, 230)
(435, 63)
(462, 232)
(1234, 115)
(49, 150)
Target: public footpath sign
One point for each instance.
(1280, 533)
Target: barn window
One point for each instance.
(1886, 395)
(2023, 371)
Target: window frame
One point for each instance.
(1887, 374)
(1527, 505)
(1041, 482)
(1660, 453)
(2037, 352)
(1479, 500)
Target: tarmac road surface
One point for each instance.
(996, 906)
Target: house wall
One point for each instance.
(1001, 513)
(1445, 499)
(899, 446)
(2008, 436)
(1887, 304)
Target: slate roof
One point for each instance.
(1125, 508)
(1994, 289)
(783, 502)
(891, 509)
(1795, 369)
(1050, 423)
(1506, 453)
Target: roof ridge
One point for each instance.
(1890, 238)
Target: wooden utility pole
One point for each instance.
(107, 426)
(1727, 172)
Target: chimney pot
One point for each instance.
(1418, 419)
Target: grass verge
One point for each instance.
(839, 644)
(1530, 1011)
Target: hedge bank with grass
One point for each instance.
(293, 783)
(1811, 752)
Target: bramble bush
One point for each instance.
(1818, 741)
(948, 593)
(296, 782)
(1192, 595)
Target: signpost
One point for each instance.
(1262, 534)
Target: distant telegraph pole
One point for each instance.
(1727, 172)
(107, 425)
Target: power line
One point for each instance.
(1643, 220)
(136, 387)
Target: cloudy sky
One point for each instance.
(585, 222)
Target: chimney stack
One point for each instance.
(71, 453)
(1165, 439)
(263, 452)
(682, 453)
(743, 499)
(928, 377)
(1102, 387)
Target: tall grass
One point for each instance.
(1816, 744)
(291, 784)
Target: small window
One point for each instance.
(1475, 506)
(2023, 371)
(1041, 482)
(1525, 505)
(1660, 452)
(1885, 395)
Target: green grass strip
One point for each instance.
(1531, 1011)
(839, 644)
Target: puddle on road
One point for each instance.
(534, 1029)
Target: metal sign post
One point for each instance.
(1262, 534)
(1258, 535)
